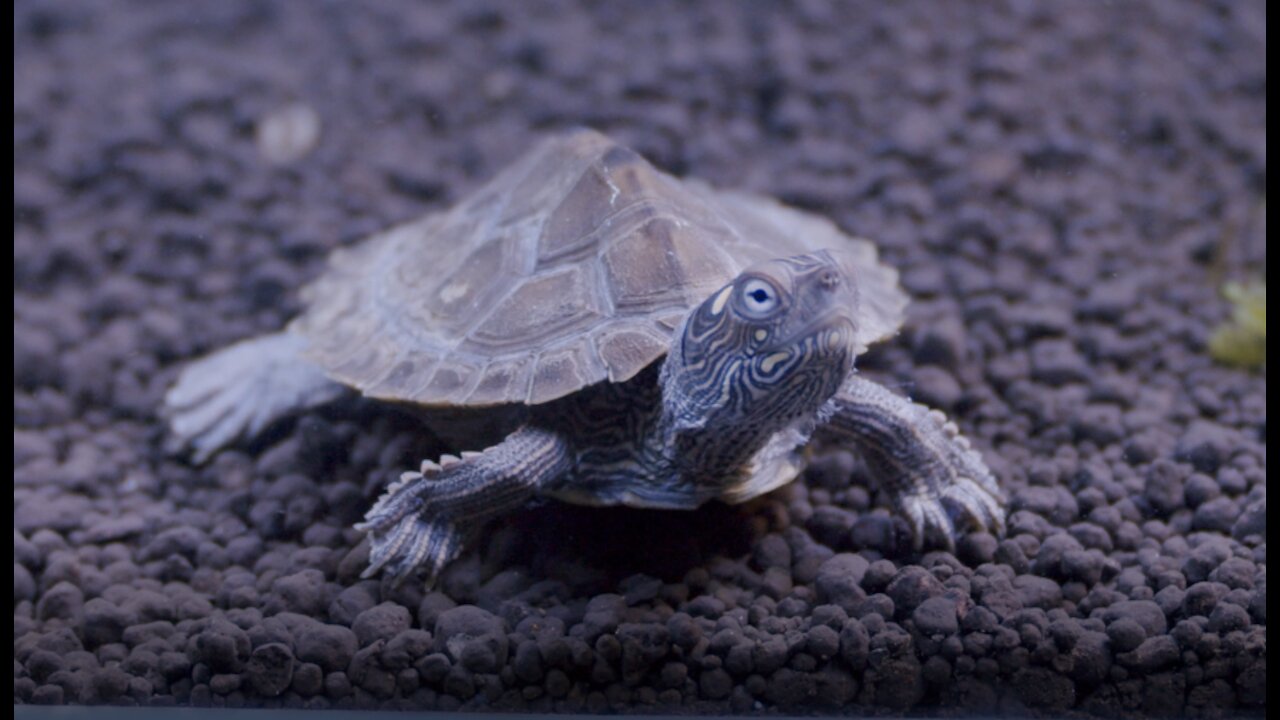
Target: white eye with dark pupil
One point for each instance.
(758, 297)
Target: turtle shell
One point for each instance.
(573, 266)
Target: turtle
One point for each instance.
(628, 337)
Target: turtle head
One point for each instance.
(764, 351)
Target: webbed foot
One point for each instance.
(240, 390)
(937, 478)
(413, 524)
(426, 518)
(959, 486)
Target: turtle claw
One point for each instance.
(963, 503)
(938, 480)
(975, 501)
(967, 487)
(407, 530)
(426, 518)
(413, 543)
(927, 517)
(959, 489)
(939, 519)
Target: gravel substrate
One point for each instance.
(1063, 186)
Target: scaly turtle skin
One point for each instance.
(644, 341)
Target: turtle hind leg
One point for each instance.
(240, 390)
(426, 518)
(935, 476)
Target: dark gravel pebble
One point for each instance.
(472, 637)
(24, 586)
(221, 645)
(350, 603)
(308, 679)
(382, 622)
(839, 580)
(936, 617)
(1153, 654)
(1206, 445)
(270, 669)
(328, 646)
(1063, 188)
(911, 587)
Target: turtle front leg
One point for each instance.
(426, 518)
(935, 476)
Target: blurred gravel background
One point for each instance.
(1063, 185)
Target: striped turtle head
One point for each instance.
(765, 350)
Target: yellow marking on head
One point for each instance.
(726, 383)
(761, 335)
(774, 359)
(717, 306)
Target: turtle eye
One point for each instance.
(759, 298)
